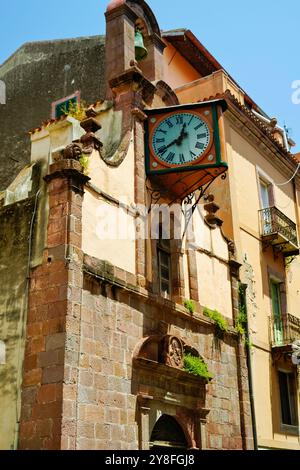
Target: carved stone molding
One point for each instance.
(133, 80)
(72, 152)
(173, 352)
(90, 141)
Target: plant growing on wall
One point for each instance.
(241, 324)
(219, 320)
(190, 306)
(75, 110)
(84, 161)
(196, 366)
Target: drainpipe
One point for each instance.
(250, 376)
(269, 121)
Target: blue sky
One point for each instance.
(257, 42)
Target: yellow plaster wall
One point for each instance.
(108, 232)
(177, 70)
(262, 393)
(245, 162)
(212, 268)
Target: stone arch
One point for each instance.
(164, 349)
(144, 12)
(168, 432)
(165, 92)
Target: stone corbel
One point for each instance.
(212, 208)
(90, 141)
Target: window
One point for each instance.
(287, 388)
(164, 264)
(266, 194)
(277, 313)
(62, 106)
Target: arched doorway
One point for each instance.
(167, 433)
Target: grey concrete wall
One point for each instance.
(16, 236)
(35, 76)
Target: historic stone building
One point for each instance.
(101, 307)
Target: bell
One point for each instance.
(140, 50)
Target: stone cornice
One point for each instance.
(255, 131)
(124, 10)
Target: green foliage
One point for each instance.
(196, 366)
(220, 321)
(190, 306)
(248, 343)
(241, 322)
(84, 161)
(75, 110)
(242, 319)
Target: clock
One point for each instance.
(180, 138)
(185, 145)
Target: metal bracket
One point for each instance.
(189, 207)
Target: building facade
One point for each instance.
(110, 303)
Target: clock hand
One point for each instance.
(165, 147)
(182, 131)
(183, 134)
(177, 141)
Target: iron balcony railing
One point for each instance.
(285, 330)
(273, 222)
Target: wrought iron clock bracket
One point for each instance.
(188, 200)
(158, 194)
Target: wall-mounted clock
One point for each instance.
(185, 145)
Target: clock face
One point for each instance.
(180, 138)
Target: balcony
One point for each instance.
(285, 330)
(279, 231)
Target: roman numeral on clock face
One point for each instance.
(162, 150)
(179, 119)
(181, 158)
(160, 141)
(192, 154)
(201, 136)
(199, 125)
(199, 145)
(170, 157)
(169, 123)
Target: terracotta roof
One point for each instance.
(200, 58)
(49, 122)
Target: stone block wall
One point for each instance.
(113, 322)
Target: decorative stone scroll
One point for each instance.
(72, 152)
